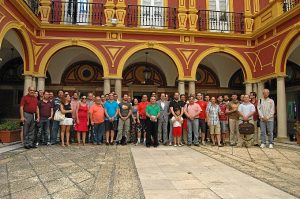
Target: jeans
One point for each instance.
(171, 132)
(123, 129)
(98, 132)
(54, 133)
(264, 127)
(28, 129)
(43, 131)
(163, 127)
(193, 127)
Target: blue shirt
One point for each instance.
(111, 108)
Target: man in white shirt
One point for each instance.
(246, 111)
(266, 110)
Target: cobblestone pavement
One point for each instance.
(72, 172)
(279, 167)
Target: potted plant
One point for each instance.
(297, 128)
(10, 131)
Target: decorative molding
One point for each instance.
(121, 13)
(114, 35)
(187, 54)
(113, 52)
(38, 48)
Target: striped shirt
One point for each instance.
(213, 113)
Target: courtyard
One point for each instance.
(130, 171)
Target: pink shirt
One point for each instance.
(193, 109)
(74, 104)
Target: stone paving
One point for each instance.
(89, 171)
(181, 172)
(94, 171)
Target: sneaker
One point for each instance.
(170, 144)
(262, 146)
(203, 143)
(48, 143)
(137, 143)
(175, 145)
(180, 145)
(271, 146)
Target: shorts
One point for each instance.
(67, 122)
(214, 129)
(177, 131)
(224, 126)
(111, 126)
(202, 125)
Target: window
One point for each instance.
(77, 12)
(152, 13)
(219, 16)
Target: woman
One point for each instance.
(135, 126)
(82, 119)
(65, 125)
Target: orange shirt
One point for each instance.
(97, 112)
(142, 109)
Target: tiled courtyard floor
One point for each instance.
(137, 172)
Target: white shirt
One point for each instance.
(175, 122)
(162, 105)
(245, 109)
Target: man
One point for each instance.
(163, 119)
(223, 119)
(116, 98)
(51, 96)
(90, 102)
(74, 104)
(266, 111)
(213, 121)
(192, 111)
(174, 104)
(142, 114)
(207, 98)
(226, 99)
(207, 134)
(184, 124)
(242, 98)
(124, 120)
(96, 113)
(46, 112)
(41, 95)
(153, 113)
(246, 111)
(254, 101)
(29, 112)
(202, 117)
(55, 125)
(111, 113)
(233, 115)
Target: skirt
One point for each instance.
(67, 121)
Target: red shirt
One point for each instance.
(255, 115)
(223, 117)
(203, 105)
(142, 109)
(29, 103)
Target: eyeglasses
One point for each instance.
(83, 98)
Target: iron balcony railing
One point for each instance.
(289, 4)
(218, 21)
(33, 5)
(151, 16)
(77, 12)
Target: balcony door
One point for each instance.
(77, 12)
(152, 14)
(219, 17)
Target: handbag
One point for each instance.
(246, 128)
(59, 116)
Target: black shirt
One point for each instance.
(67, 107)
(177, 105)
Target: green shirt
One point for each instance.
(152, 110)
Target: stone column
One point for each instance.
(254, 87)
(106, 87)
(248, 88)
(281, 109)
(118, 88)
(33, 83)
(260, 88)
(181, 87)
(41, 83)
(192, 89)
(27, 83)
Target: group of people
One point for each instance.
(195, 119)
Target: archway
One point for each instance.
(214, 73)
(162, 71)
(75, 68)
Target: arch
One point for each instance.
(25, 40)
(284, 48)
(245, 66)
(45, 61)
(159, 47)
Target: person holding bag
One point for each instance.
(65, 125)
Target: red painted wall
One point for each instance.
(238, 6)
(263, 4)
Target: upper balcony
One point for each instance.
(82, 12)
